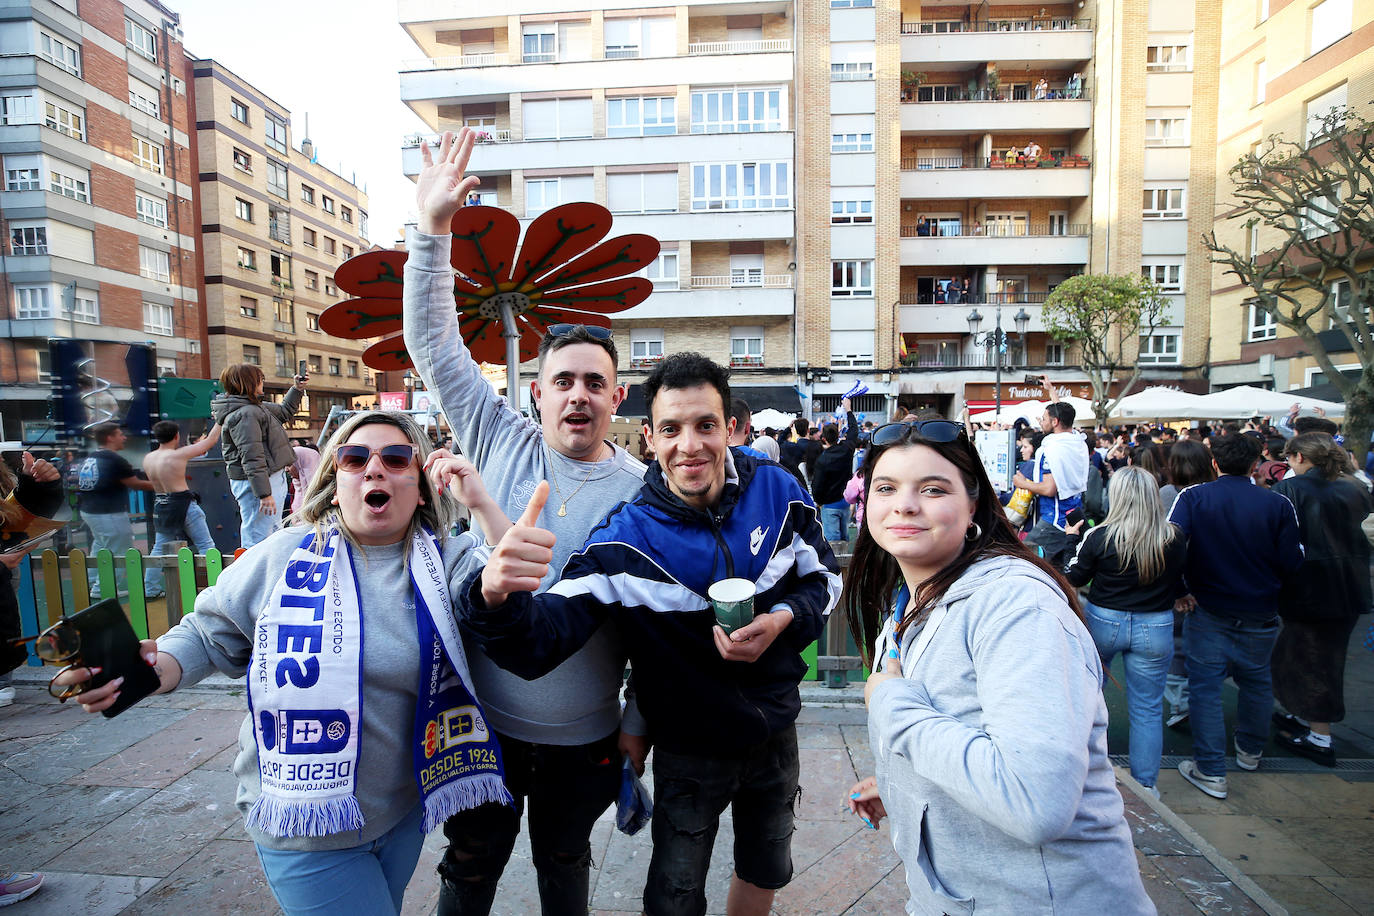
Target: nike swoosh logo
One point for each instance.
(756, 539)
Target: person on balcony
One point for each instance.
(1042, 89)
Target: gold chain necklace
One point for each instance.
(553, 475)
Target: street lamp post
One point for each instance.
(996, 340)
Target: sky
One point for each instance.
(337, 62)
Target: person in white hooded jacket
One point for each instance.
(986, 718)
(1059, 479)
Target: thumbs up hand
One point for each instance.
(521, 559)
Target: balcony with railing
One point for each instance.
(719, 297)
(944, 178)
(925, 317)
(746, 362)
(952, 41)
(950, 110)
(1014, 242)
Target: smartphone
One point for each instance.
(1032, 379)
(302, 369)
(1074, 517)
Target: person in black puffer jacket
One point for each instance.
(35, 492)
(833, 468)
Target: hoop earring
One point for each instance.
(975, 531)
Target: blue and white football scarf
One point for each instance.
(305, 686)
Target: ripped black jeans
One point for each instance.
(567, 788)
(691, 792)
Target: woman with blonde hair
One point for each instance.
(363, 731)
(1134, 561)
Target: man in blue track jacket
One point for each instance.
(721, 708)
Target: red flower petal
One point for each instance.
(373, 274)
(609, 296)
(358, 319)
(557, 236)
(484, 240)
(388, 355)
(484, 341)
(615, 257)
(539, 322)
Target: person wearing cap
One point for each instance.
(103, 482)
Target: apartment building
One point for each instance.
(275, 225)
(97, 202)
(1283, 67)
(678, 119)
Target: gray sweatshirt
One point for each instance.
(218, 636)
(579, 701)
(991, 756)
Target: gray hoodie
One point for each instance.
(991, 756)
(254, 441)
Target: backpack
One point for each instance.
(1092, 497)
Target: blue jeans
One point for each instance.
(1217, 645)
(368, 878)
(1146, 644)
(195, 529)
(835, 521)
(254, 527)
(113, 532)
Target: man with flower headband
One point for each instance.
(561, 734)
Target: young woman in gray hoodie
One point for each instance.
(985, 711)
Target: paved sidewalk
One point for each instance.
(135, 816)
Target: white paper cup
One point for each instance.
(733, 601)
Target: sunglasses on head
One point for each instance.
(930, 430)
(566, 330)
(59, 644)
(355, 457)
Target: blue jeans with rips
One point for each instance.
(195, 529)
(1146, 644)
(1216, 646)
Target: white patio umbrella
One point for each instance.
(1031, 411)
(771, 418)
(1248, 401)
(1158, 403)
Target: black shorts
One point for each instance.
(691, 792)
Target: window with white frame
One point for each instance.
(85, 307)
(238, 111)
(1341, 297)
(737, 110)
(63, 52)
(546, 193)
(329, 288)
(849, 4)
(243, 209)
(1262, 325)
(243, 161)
(330, 246)
(327, 203)
(851, 349)
(335, 366)
(1330, 22)
(141, 39)
(248, 259)
(66, 119)
(1163, 203)
(28, 238)
(641, 116)
(143, 97)
(1261, 79)
(851, 133)
(150, 210)
(248, 307)
(32, 301)
(1166, 131)
(557, 119)
(307, 194)
(346, 214)
(308, 237)
(1167, 58)
(1321, 213)
(148, 154)
(741, 186)
(662, 272)
(650, 36)
(312, 321)
(1263, 12)
(154, 264)
(252, 355)
(1160, 348)
(19, 108)
(1333, 101)
(641, 192)
(1054, 353)
(345, 252)
(746, 270)
(24, 172)
(646, 346)
(1167, 275)
(276, 179)
(539, 43)
(157, 319)
(843, 71)
(69, 181)
(851, 210)
(746, 347)
(851, 278)
(275, 133)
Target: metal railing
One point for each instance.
(982, 299)
(936, 163)
(961, 360)
(1059, 93)
(1040, 24)
(755, 46)
(766, 281)
(994, 230)
(694, 49)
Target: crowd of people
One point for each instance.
(404, 678)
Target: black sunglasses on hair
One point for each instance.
(930, 430)
(566, 330)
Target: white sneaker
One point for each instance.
(1247, 761)
(6, 696)
(1214, 786)
(1177, 718)
(1152, 790)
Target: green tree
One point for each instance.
(1307, 211)
(1104, 316)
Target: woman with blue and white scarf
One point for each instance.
(363, 733)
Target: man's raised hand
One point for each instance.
(443, 184)
(521, 560)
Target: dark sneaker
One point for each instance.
(1177, 719)
(1214, 786)
(19, 885)
(1302, 746)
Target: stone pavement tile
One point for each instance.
(819, 736)
(1206, 888)
(886, 897)
(223, 762)
(846, 875)
(1258, 846)
(65, 893)
(1151, 834)
(1269, 794)
(860, 752)
(1300, 894)
(159, 760)
(517, 894)
(1346, 844)
(1357, 893)
(222, 878)
(1326, 793)
(14, 789)
(620, 886)
(422, 893)
(826, 778)
(833, 715)
(1168, 899)
(166, 830)
(91, 739)
(32, 720)
(44, 825)
(1183, 798)
(815, 840)
(205, 698)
